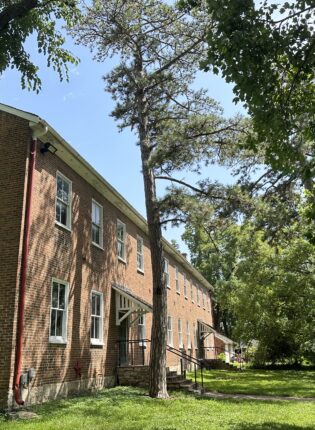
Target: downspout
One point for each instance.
(38, 130)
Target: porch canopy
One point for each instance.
(206, 329)
(127, 303)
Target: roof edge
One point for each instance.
(132, 213)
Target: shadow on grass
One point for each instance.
(271, 426)
(89, 403)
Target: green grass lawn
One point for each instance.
(265, 382)
(130, 408)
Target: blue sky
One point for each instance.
(80, 111)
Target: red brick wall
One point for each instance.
(70, 256)
(14, 141)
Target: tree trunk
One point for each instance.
(158, 387)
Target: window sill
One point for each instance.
(193, 301)
(140, 271)
(65, 227)
(96, 343)
(168, 287)
(121, 260)
(97, 246)
(57, 341)
(178, 292)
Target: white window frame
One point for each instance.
(203, 298)
(192, 291)
(177, 287)
(140, 255)
(185, 286)
(167, 272)
(195, 336)
(180, 333)
(197, 295)
(63, 338)
(141, 328)
(123, 241)
(188, 338)
(99, 245)
(170, 330)
(100, 340)
(67, 226)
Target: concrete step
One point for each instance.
(174, 378)
(171, 373)
(181, 383)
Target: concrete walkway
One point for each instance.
(216, 395)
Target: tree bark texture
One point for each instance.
(158, 387)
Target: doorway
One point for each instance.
(123, 342)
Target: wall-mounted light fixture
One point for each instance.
(48, 147)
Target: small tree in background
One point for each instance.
(158, 49)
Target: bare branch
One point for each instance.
(185, 184)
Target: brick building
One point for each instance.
(81, 253)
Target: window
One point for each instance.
(195, 336)
(121, 237)
(169, 331)
(185, 285)
(203, 299)
(197, 294)
(191, 291)
(140, 262)
(141, 330)
(58, 312)
(96, 318)
(180, 334)
(177, 280)
(97, 224)
(166, 273)
(188, 335)
(63, 201)
(207, 343)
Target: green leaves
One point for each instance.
(262, 268)
(19, 20)
(267, 52)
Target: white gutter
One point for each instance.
(71, 157)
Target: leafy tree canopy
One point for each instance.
(20, 19)
(262, 268)
(267, 51)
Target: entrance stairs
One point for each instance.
(176, 381)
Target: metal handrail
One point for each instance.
(179, 353)
(184, 355)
